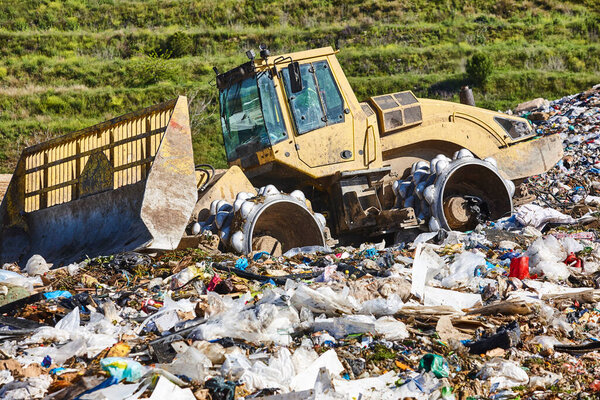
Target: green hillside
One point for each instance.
(69, 64)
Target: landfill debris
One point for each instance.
(509, 309)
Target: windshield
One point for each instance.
(250, 116)
(320, 102)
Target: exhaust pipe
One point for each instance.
(466, 96)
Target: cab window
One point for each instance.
(319, 103)
(271, 109)
(332, 99)
(250, 116)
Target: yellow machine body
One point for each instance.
(349, 162)
(131, 183)
(393, 129)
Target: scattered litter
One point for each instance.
(510, 309)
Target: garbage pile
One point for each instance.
(510, 309)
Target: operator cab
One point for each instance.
(250, 112)
(299, 105)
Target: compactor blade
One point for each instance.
(124, 184)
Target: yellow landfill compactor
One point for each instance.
(307, 159)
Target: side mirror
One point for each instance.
(295, 78)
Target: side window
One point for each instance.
(305, 105)
(332, 98)
(320, 102)
(271, 109)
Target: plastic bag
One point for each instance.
(323, 300)
(117, 392)
(436, 364)
(25, 389)
(280, 370)
(71, 349)
(571, 245)
(374, 388)
(69, 322)
(278, 373)
(306, 250)
(418, 386)
(165, 389)
(305, 379)
(265, 322)
(544, 381)
(463, 268)
(391, 329)
(503, 374)
(191, 363)
(36, 265)
(123, 368)
(14, 278)
(545, 258)
(547, 342)
(426, 265)
(5, 377)
(304, 355)
(214, 351)
(538, 217)
(346, 325)
(443, 297)
(184, 276)
(167, 317)
(381, 306)
(5, 275)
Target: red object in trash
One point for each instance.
(573, 261)
(519, 268)
(213, 283)
(150, 305)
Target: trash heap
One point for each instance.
(510, 309)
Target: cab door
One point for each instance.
(324, 123)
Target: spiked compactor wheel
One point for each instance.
(271, 221)
(456, 193)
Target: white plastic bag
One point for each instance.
(463, 268)
(382, 306)
(545, 258)
(541, 382)
(425, 266)
(391, 329)
(191, 363)
(538, 217)
(305, 379)
(37, 265)
(443, 297)
(346, 325)
(503, 374)
(304, 355)
(547, 342)
(323, 300)
(69, 322)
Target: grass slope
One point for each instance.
(68, 64)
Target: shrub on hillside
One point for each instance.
(54, 104)
(179, 44)
(479, 68)
(575, 64)
(151, 69)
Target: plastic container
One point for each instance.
(519, 268)
(436, 364)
